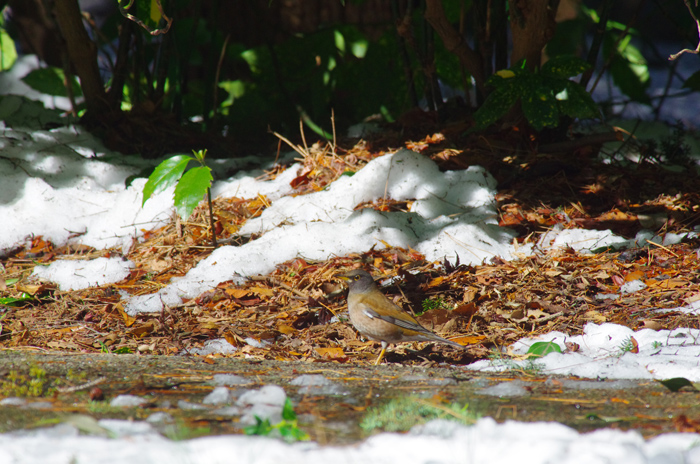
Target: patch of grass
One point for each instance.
(103, 407)
(33, 385)
(432, 303)
(288, 428)
(180, 431)
(400, 414)
(627, 346)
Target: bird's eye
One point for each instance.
(356, 277)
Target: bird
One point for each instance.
(378, 318)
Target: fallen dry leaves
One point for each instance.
(297, 312)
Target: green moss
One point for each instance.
(20, 385)
(400, 414)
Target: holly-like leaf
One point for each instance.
(578, 103)
(165, 175)
(191, 190)
(496, 105)
(564, 66)
(540, 107)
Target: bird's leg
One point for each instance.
(381, 354)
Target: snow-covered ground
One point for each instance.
(62, 184)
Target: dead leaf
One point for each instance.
(237, 292)
(683, 424)
(262, 291)
(634, 275)
(572, 347)
(635, 345)
(468, 339)
(331, 353)
(594, 316)
(552, 272)
(285, 329)
(651, 324)
(128, 320)
(142, 330)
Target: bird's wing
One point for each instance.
(405, 323)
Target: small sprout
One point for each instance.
(287, 428)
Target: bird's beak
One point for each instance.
(342, 277)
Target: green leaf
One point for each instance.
(261, 427)
(564, 66)
(579, 103)
(51, 81)
(191, 190)
(200, 155)
(677, 383)
(540, 106)
(539, 349)
(630, 72)
(23, 298)
(165, 175)
(8, 52)
(288, 413)
(496, 105)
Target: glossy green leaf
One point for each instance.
(629, 71)
(165, 175)
(579, 103)
(496, 105)
(16, 301)
(564, 66)
(51, 81)
(539, 349)
(8, 52)
(191, 190)
(288, 413)
(540, 107)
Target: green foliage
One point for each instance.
(545, 96)
(19, 300)
(51, 81)
(432, 303)
(189, 189)
(181, 431)
(122, 350)
(669, 149)
(287, 428)
(8, 52)
(540, 349)
(400, 414)
(628, 68)
(627, 346)
(33, 385)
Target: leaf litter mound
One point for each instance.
(298, 312)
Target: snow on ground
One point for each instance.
(62, 184)
(446, 442)
(605, 351)
(453, 215)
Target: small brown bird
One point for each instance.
(377, 318)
